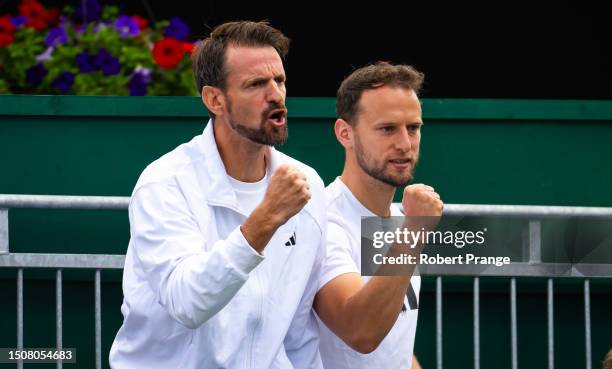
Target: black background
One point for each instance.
(495, 50)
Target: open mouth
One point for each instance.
(278, 117)
(400, 163)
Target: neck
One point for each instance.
(373, 194)
(244, 160)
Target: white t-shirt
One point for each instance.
(249, 194)
(344, 256)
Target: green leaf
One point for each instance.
(110, 12)
(4, 87)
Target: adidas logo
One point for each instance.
(291, 241)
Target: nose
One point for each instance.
(403, 140)
(275, 92)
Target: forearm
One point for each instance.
(362, 314)
(369, 314)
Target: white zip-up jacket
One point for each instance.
(196, 295)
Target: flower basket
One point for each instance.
(93, 50)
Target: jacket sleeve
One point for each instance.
(191, 278)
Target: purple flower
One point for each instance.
(64, 82)
(177, 29)
(139, 80)
(18, 20)
(127, 26)
(88, 11)
(35, 74)
(145, 72)
(46, 55)
(107, 63)
(137, 85)
(56, 36)
(86, 62)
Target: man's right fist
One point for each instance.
(421, 200)
(287, 193)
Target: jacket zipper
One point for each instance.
(258, 317)
(258, 292)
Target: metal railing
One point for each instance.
(533, 268)
(58, 261)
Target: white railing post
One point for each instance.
(4, 232)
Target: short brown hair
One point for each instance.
(209, 58)
(371, 77)
(607, 363)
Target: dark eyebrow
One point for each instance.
(381, 124)
(255, 81)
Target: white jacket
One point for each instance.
(196, 295)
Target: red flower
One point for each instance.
(35, 13)
(6, 26)
(5, 39)
(29, 7)
(188, 46)
(53, 16)
(142, 22)
(168, 52)
(7, 29)
(38, 24)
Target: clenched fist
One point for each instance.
(287, 194)
(422, 207)
(421, 200)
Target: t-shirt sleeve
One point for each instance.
(339, 254)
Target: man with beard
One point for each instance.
(370, 322)
(227, 233)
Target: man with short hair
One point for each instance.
(370, 322)
(226, 232)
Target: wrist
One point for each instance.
(259, 228)
(267, 217)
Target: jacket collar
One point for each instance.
(219, 190)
